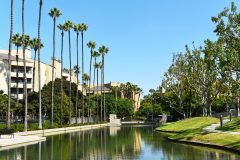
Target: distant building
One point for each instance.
(46, 72)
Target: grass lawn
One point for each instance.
(191, 130)
(234, 125)
(188, 124)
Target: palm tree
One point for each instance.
(97, 67)
(103, 50)
(54, 13)
(34, 45)
(68, 25)
(62, 28)
(25, 43)
(77, 70)
(82, 27)
(9, 68)
(17, 40)
(39, 66)
(95, 55)
(86, 79)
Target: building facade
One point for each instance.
(17, 67)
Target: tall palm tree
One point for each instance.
(9, 68)
(68, 25)
(103, 50)
(54, 13)
(25, 44)
(92, 46)
(17, 41)
(97, 66)
(39, 66)
(86, 79)
(34, 45)
(61, 27)
(82, 27)
(77, 70)
(95, 55)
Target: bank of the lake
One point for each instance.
(24, 138)
(191, 131)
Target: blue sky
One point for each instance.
(142, 35)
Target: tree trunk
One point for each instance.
(39, 66)
(62, 79)
(76, 107)
(90, 75)
(24, 74)
(9, 69)
(34, 68)
(82, 79)
(97, 97)
(17, 57)
(70, 82)
(53, 65)
(238, 106)
(104, 101)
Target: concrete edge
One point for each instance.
(48, 132)
(200, 143)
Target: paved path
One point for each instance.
(7, 140)
(212, 128)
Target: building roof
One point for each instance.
(98, 89)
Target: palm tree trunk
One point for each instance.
(39, 67)
(82, 78)
(97, 96)
(101, 94)
(53, 65)
(34, 68)
(9, 69)
(76, 107)
(61, 79)
(94, 74)
(104, 102)
(90, 75)
(25, 70)
(17, 79)
(70, 83)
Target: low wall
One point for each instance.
(55, 131)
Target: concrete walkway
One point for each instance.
(33, 137)
(7, 140)
(212, 128)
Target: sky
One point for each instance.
(142, 35)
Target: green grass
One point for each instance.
(191, 130)
(188, 124)
(233, 125)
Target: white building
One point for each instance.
(46, 72)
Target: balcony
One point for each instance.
(21, 74)
(20, 85)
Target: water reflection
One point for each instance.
(132, 142)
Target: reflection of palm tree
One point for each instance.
(54, 13)
(68, 26)
(62, 28)
(17, 40)
(9, 68)
(34, 45)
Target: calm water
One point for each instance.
(132, 142)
